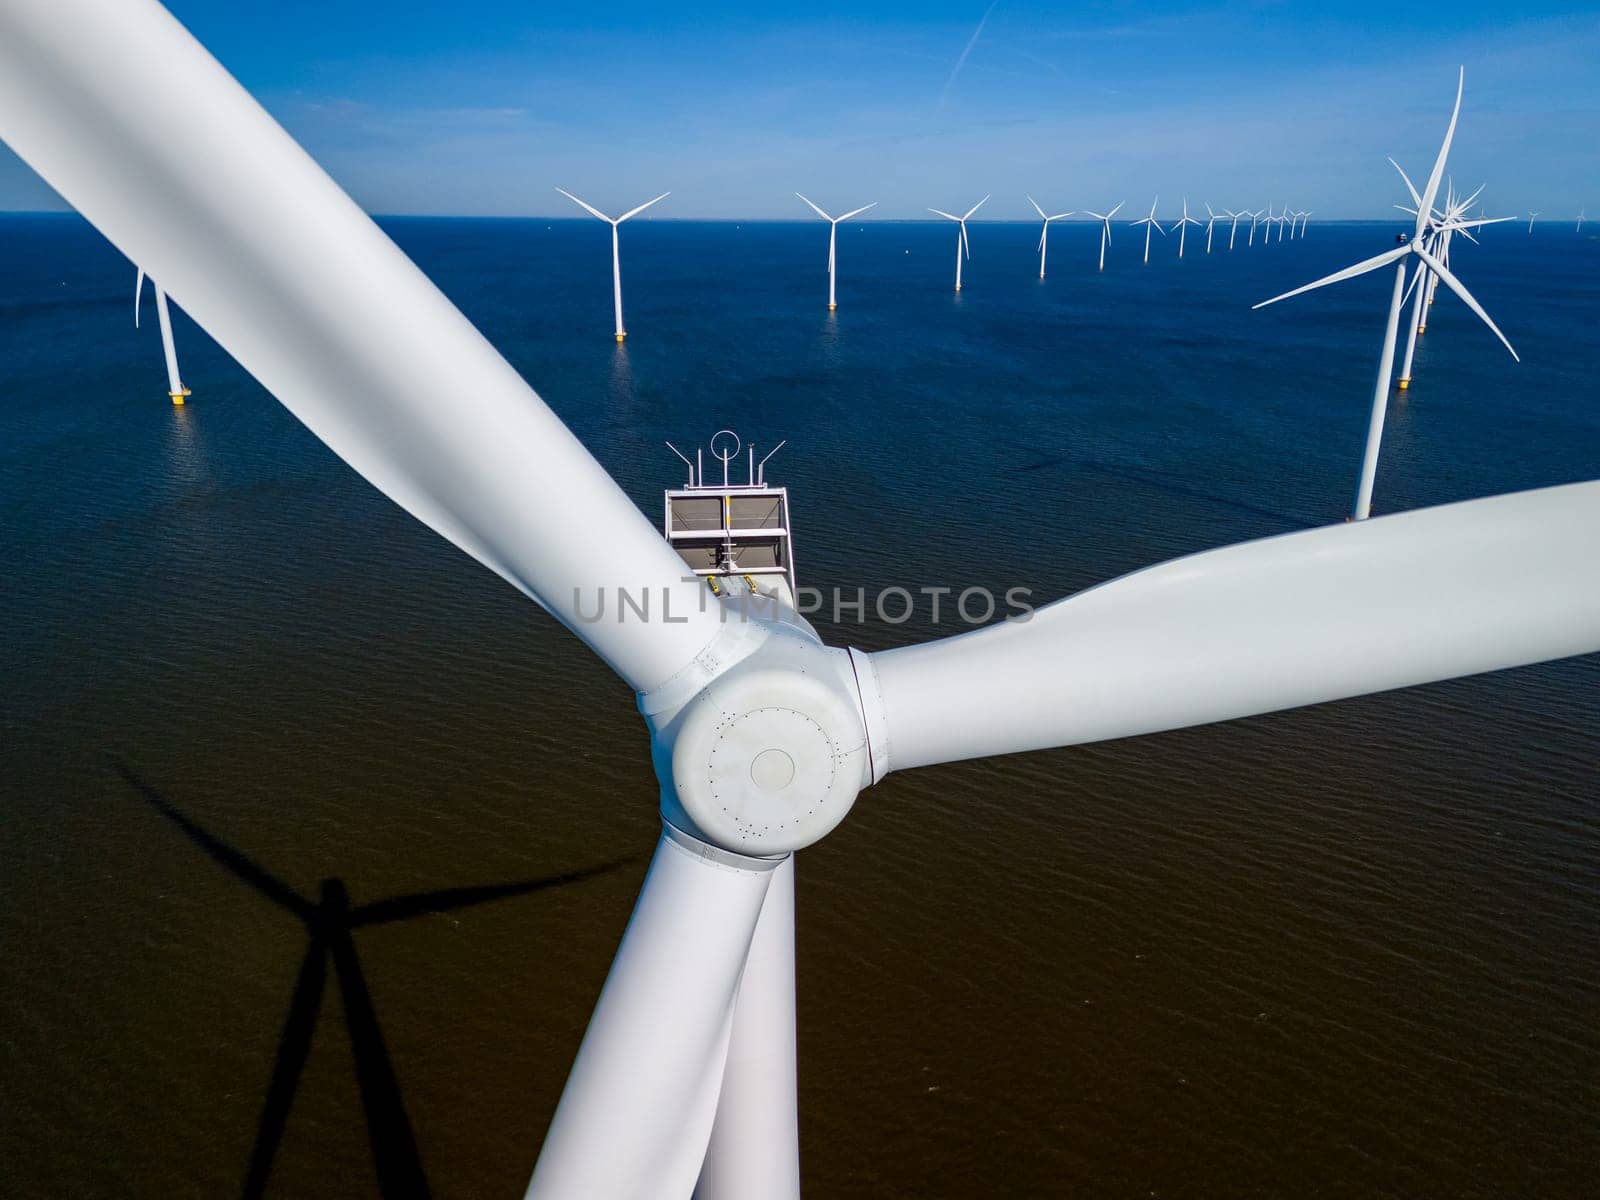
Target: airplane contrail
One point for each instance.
(966, 50)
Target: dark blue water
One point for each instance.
(1352, 950)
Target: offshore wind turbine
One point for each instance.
(1233, 230)
(963, 248)
(175, 388)
(1531, 218)
(833, 237)
(1254, 217)
(1211, 219)
(1283, 219)
(1105, 230)
(1044, 233)
(1580, 221)
(1186, 219)
(1398, 256)
(1149, 223)
(762, 737)
(616, 257)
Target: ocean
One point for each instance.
(1352, 950)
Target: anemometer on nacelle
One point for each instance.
(734, 535)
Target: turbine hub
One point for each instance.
(768, 756)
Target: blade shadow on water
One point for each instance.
(329, 924)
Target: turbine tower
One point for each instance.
(175, 388)
(1149, 223)
(1044, 233)
(833, 238)
(1105, 229)
(616, 257)
(1531, 218)
(1211, 220)
(1398, 256)
(1233, 230)
(962, 247)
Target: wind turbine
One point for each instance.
(616, 257)
(833, 237)
(1398, 256)
(1531, 218)
(1441, 228)
(962, 247)
(1254, 217)
(762, 737)
(1580, 221)
(1211, 219)
(1233, 230)
(1105, 229)
(1186, 219)
(175, 388)
(1305, 219)
(330, 921)
(1283, 219)
(1149, 222)
(1044, 233)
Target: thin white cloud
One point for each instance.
(966, 50)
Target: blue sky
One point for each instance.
(482, 107)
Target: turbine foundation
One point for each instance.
(177, 397)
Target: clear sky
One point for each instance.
(482, 107)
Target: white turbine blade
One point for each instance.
(975, 208)
(1456, 286)
(816, 210)
(591, 209)
(277, 264)
(945, 215)
(1036, 207)
(635, 1117)
(856, 212)
(1415, 276)
(634, 212)
(1060, 216)
(1361, 268)
(1158, 228)
(1467, 203)
(1416, 197)
(1116, 210)
(1426, 202)
(1340, 611)
(965, 244)
(1095, 215)
(138, 293)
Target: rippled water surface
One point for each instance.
(1350, 951)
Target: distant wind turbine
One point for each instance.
(1398, 256)
(1105, 229)
(1211, 219)
(963, 248)
(616, 258)
(833, 237)
(1531, 217)
(1283, 219)
(1186, 219)
(1580, 221)
(1254, 217)
(1150, 223)
(1044, 234)
(1233, 230)
(175, 388)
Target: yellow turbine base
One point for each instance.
(620, 337)
(833, 307)
(1421, 329)
(177, 397)
(1404, 384)
(958, 287)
